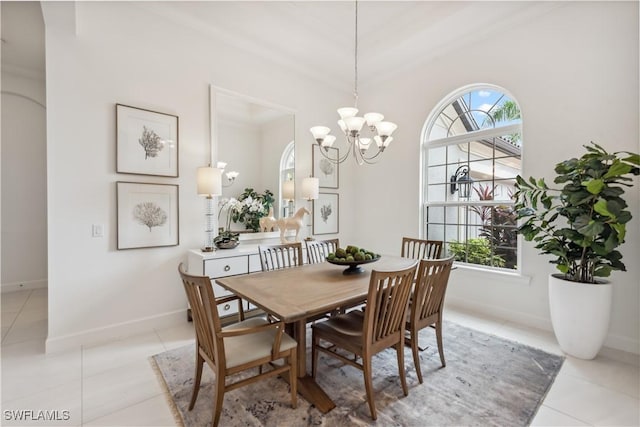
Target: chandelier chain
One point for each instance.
(355, 90)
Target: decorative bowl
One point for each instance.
(229, 244)
(354, 266)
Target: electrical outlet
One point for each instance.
(97, 230)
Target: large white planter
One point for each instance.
(580, 314)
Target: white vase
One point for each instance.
(580, 314)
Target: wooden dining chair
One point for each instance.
(275, 257)
(317, 250)
(427, 304)
(367, 333)
(238, 347)
(420, 248)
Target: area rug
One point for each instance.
(488, 381)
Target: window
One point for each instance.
(472, 153)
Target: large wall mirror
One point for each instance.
(255, 139)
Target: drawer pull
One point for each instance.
(227, 307)
(227, 267)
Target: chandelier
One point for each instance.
(351, 125)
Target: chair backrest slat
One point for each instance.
(317, 250)
(205, 314)
(420, 248)
(275, 257)
(387, 303)
(431, 286)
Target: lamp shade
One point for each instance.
(209, 181)
(288, 190)
(310, 188)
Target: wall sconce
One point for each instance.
(461, 182)
(209, 181)
(230, 176)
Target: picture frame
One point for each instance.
(146, 142)
(326, 216)
(147, 215)
(327, 171)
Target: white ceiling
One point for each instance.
(315, 38)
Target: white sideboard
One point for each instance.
(244, 259)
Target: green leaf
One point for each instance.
(621, 230)
(563, 268)
(618, 168)
(633, 158)
(592, 229)
(594, 186)
(601, 208)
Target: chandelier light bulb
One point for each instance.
(386, 129)
(328, 141)
(346, 112)
(319, 133)
(343, 126)
(221, 165)
(354, 124)
(232, 175)
(363, 144)
(373, 118)
(382, 142)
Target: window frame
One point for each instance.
(475, 135)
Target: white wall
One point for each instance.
(574, 73)
(24, 189)
(96, 291)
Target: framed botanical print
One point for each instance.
(146, 142)
(325, 214)
(327, 171)
(147, 215)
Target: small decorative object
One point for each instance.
(353, 257)
(325, 170)
(268, 223)
(325, 214)
(292, 223)
(226, 240)
(146, 142)
(252, 206)
(147, 215)
(581, 225)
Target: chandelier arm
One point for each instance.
(334, 161)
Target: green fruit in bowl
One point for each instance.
(367, 257)
(331, 256)
(341, 253)
(350, 258)
(359, 256)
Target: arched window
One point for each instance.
(472, 152)
(287, 173)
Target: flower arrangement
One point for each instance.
(248, 208)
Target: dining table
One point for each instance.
(297, 294)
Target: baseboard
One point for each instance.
(23, 286)
(616, 347)
(500, 313)
(116, 331)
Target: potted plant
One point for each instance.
(581, 224)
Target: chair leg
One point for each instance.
(314, 354)
(293, 377)
(416, 356)
(439, 340)
(403, 377)
(366, 365)
(218, 398)
(197, 376)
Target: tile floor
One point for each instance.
(112, 384)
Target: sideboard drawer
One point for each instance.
(228, 308)
(226, 266)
